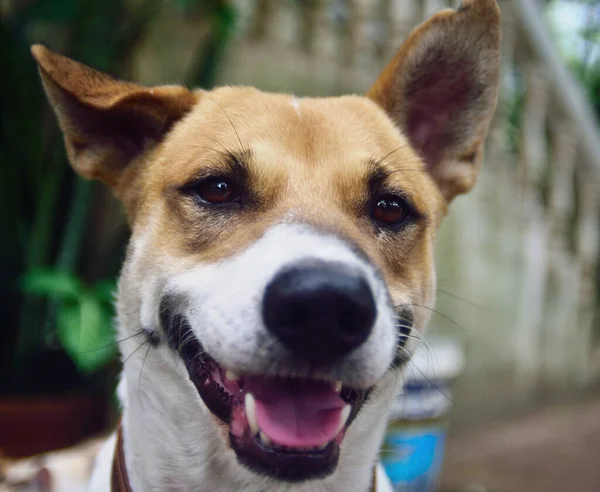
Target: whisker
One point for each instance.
(142, 369)
(224, 154)
(447, 318)
(189, 337)
(116, 342)
(200, 355)
(430, 381)
(414, 337)
(135, 350)
(402, 318)
(231, 122)
(408, 170)
(179, 327)
(380, 161)
(226, 151)
(458, 298)
(429, 355)
(392, 395)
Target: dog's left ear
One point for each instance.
(441, 90)
(107, 123)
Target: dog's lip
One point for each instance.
(224, 391)
(256, 450)
(289, 413)
(224, 397)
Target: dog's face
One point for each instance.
(282, 247)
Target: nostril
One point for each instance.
(354, 321)
(348, 323)
(298, 316)
(351, 324)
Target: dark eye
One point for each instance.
(390, 210)
(216, 191)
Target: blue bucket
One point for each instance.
(413, 450)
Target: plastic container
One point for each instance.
(413, 449)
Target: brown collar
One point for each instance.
(374, 481)
(120, 481)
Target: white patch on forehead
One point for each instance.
(295, 102)
(290, 216)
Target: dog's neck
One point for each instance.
(120, 478)
(167, 450)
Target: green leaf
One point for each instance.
(105, 291)
(86, 334)
(43, 282)
(591, 34)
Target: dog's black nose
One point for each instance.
(320, 311)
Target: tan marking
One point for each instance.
(312, 169)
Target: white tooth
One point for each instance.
(345, 414)
(322, 446)
(231, 375)
(337, 386)
(343, 418)
(250, 406)
(265, 439)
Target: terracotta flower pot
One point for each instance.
(34, 425)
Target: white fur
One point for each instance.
(101, 476)
(295, 102)
(172, 441)
(223, 303)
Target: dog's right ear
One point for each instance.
(441, 90)
(107, 123)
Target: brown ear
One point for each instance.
(106, 122)
(441, 90)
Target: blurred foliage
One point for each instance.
(589, 75)
(57, 333)
(583, 65)
(83, 319)
(584, 61)
(514, 116)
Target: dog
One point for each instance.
(280, 270)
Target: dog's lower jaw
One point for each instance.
(166, 451)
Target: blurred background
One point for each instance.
(517, 259)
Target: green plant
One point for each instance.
(55, 302)
(83, 317)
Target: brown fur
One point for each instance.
(310, 163)
(322, 162)
(106, 123)
(447, 72)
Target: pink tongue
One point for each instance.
(300, 414)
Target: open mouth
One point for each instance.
(288, 428)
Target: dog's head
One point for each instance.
(282, 247)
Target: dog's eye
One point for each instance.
(216, 190)
(390, 210)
